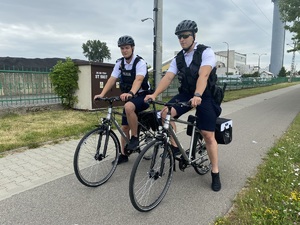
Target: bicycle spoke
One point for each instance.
(91, 166)
(147, 187)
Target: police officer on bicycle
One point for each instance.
(132, 72)
(194, 66)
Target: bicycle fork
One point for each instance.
(99, 156)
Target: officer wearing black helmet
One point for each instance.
(194, 75)
(132, 72)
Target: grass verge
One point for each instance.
(273, 195)
(36, 128)
(33, 129)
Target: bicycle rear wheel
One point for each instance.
(151, 179)
(95, 158)
(203, 164)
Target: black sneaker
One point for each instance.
(134, 143)
(121, 159)
(216, 183)
(175, 150)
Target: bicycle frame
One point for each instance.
(192, 139)
(168, 129)
(111, 120)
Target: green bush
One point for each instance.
(64, 78)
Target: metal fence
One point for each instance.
(19, 88)
(27, 87)
(235, 83)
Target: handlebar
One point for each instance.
(170, 104)
(109, 99)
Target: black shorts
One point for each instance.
(207, 112)
(139, 103)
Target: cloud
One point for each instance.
(40, 29)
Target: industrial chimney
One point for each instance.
(278, 40)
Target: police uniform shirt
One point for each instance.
(141, 67)
(208, 59)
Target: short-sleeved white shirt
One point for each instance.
(141, 67)
(208, 59)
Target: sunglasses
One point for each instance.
(184, 36)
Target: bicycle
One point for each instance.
(150, 180)
(95, 158)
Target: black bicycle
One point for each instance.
(95, 158)
(150, 180)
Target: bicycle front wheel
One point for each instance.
(95, 158)
(151, 179)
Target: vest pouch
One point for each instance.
(125, 88)
(145, 85)
(218, 94)
(180, 76)
(183, 83)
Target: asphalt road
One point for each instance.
(258, 122)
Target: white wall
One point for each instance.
(84, 92)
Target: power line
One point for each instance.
(261, 11)
(250, 18)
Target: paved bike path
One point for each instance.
(22, 171)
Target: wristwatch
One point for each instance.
(130, 92)
(197, 95)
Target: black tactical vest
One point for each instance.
(128, 76)
(188, 76)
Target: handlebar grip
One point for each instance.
(150, 100)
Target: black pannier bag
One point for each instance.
(223, 131)
(149, 119)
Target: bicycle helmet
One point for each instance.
(186, 25)
(125, 40)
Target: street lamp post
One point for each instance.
(259, 55)
(227, 70)
(154, 50)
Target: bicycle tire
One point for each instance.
(93, 168)
(146, 187)
(203, 165)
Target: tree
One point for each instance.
(290, 14)
(95, 51)
(282, 72)
(64, 78)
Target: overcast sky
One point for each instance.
(58, 28)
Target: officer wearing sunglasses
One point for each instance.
(193, 75)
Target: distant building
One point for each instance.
(237, 64)
(266, 75)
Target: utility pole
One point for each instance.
(157, 15)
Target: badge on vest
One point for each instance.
(126, 74)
